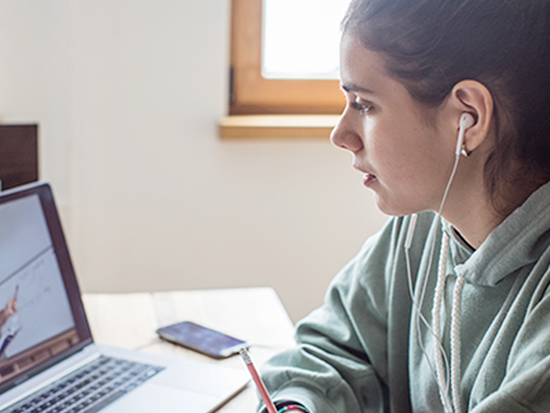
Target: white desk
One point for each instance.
(252, 314)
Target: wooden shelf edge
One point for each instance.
(277, 126)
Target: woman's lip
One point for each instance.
(368, 179)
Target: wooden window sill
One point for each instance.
(276, 126)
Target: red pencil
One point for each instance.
(257, 381)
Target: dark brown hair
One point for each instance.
(431, 45)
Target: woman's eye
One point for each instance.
(361, 107)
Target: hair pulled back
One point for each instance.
(431, 45)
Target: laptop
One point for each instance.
(48, 360)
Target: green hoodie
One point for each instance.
(367, 350)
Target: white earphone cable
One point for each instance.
(420, 317)
(443, 375)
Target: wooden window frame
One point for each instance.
(251, 93)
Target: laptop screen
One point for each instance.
(41, 316)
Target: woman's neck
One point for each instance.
(478, 214)
(476, 225)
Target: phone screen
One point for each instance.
(202, 339)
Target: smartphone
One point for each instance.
(204, 340)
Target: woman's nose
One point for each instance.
(344, 135)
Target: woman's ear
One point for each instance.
(472, 97)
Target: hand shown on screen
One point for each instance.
(9, 310)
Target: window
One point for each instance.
(259, 83)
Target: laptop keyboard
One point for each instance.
(89, 389)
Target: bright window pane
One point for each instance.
(301, 38)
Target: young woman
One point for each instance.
(447, 308)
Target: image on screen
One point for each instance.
(36, 322)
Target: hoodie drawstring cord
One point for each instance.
(442, 369)
(441, 362)
(456, 318)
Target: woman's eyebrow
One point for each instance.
(351, 87)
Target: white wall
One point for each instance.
(127, 94)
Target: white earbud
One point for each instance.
(466, 120)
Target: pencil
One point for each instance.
(257, 381)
